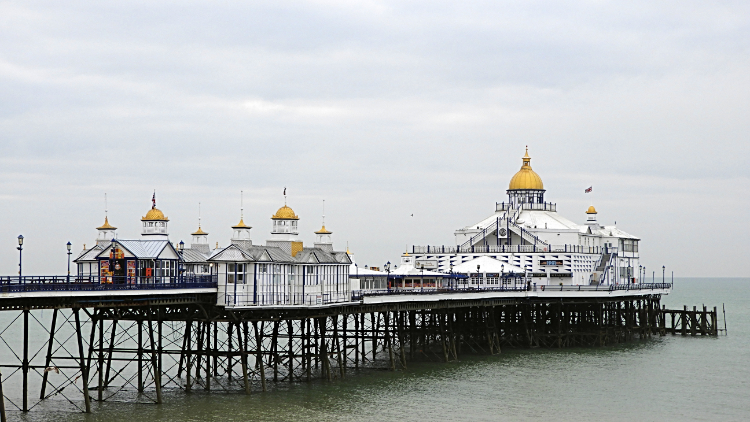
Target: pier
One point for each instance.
(100, 342)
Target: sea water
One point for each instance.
(671, 378)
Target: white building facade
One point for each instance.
(527, 233)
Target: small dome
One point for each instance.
(154, 214)
(591, 210)
(323, 231)
(285, 213)
(241, 225)
(526, 178)
(200, 232)
(106, 225)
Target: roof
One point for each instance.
(145, 249)
(89, 254)
(154, 214)
(526, 178)
(193, 255)
(323, 230)
(275, 254)
(615, 232)
(285, 213)
(241, 225)
(106, 225)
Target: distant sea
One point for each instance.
(670, 378)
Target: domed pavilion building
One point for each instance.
(526, 235)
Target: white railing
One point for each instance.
(507, 249)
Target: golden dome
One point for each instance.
(241, 225)
(106, 225)
(285, 213)
(154, 214)
(323, 231)
(526, 178)
(200, 232)
(591, 210)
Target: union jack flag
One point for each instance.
(589, 189)
(153, 200)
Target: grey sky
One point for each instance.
(384, 109)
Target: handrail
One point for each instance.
(97, 283)
(359, 294)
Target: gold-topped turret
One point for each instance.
(241, 225)
(285, 213)
(154, 214)
(106, 225)
(323, 231)
(199, 232)
(526, 178)
(591, 210)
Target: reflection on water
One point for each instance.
(668, 378)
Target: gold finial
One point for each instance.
(347, 247)
(84, 246)
(217, 245)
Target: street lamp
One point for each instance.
(502, 275)
(478, 275)
(421, 287)
(20, 260)
(69, 246)
(663, 268)
(387, 267)
(452, 280)
(640, 274)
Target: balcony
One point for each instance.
(545, 206)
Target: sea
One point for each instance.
(671, 378)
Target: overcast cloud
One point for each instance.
(384, 109)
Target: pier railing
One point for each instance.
(359, 294)
(442, 249)
(17, 284)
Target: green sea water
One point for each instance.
(670, 378)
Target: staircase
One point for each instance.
(602, 266)
(502, 222)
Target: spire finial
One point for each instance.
(284, 195)
(199, 215)
(105, 205)
(242, 205)
(324, 213)
(153, 200)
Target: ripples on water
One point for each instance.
(664, 379)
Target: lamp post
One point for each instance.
(181, 268)
(451, 280)
(478, 275)
(69, 246)
(387, 267)
(502, 275)
(663, 269)
(20, 256)
(640, 274)
(421, 287)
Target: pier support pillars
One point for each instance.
(82, 362)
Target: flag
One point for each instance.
(153, 200)
(589, 189)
